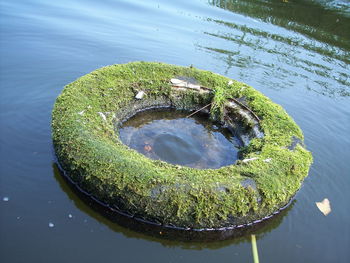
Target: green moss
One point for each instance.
(85, 136)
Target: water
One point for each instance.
(170, 136)
(295, 52)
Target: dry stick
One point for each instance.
(193, 113)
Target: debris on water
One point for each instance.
(5, 199)
(324, 206)
(18, 217)
(147, 148)
(51, 225)
(140, 95)
(70, 216)
(102, 116)
(249, 159)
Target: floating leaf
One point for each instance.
(324, 206)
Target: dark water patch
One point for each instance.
(177, 150)
(168, 135)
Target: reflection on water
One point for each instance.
(296, 39)
(168, 135)
(307, 17)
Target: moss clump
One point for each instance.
(85, 135)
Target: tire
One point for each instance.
(88, 113)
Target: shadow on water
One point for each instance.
(301, 40)
(167, 237)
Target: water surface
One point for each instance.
(296, 52)
(169, 135)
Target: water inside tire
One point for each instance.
(168, 135)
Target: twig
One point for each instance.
(255, 250)
(244, 106)
(235, 100)
(193, 113)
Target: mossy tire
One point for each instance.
(85, 123)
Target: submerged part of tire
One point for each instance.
(88, 114)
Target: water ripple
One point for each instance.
(272, 50)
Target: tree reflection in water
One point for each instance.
(286, 43)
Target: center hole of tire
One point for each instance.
(168, 135)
